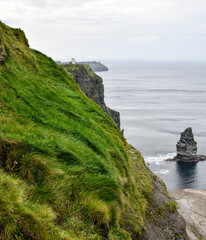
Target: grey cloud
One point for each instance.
(87, 28)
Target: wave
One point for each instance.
(177, 90)
(130, 88)
(159, 157)
(162, 171)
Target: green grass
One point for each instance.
(172, 206)
(66, 170)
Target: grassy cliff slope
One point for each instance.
(66, 171)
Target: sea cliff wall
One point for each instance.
(92, 86)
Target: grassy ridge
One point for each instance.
(66, 169)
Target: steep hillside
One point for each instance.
(91, 84)
(66, 171)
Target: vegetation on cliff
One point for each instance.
(66, 171)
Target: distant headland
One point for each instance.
(95, 66)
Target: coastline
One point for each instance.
(192, 206)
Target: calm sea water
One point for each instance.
(157, 101)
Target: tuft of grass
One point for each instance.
(21, 218)
(99, 212)
(172, 206)
(15, 158)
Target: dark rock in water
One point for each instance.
(187, 148)
(2, 55)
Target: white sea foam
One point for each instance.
(159, 158)
(162, 171)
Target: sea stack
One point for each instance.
(187, 148)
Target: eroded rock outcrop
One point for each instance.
(187, 148)
(92, 86)
(2, 54)
(163, 221)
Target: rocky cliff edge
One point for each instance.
(92, 86)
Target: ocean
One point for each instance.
(158, 100)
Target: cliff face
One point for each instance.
(66, 171)
(162, 219)
(92, 86)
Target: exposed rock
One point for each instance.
(2, 54)
(192, 206)
(161, 223)
(92, 86)
(115, 116)
(187, 148)
(162, 220)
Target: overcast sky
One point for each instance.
(111, 29)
